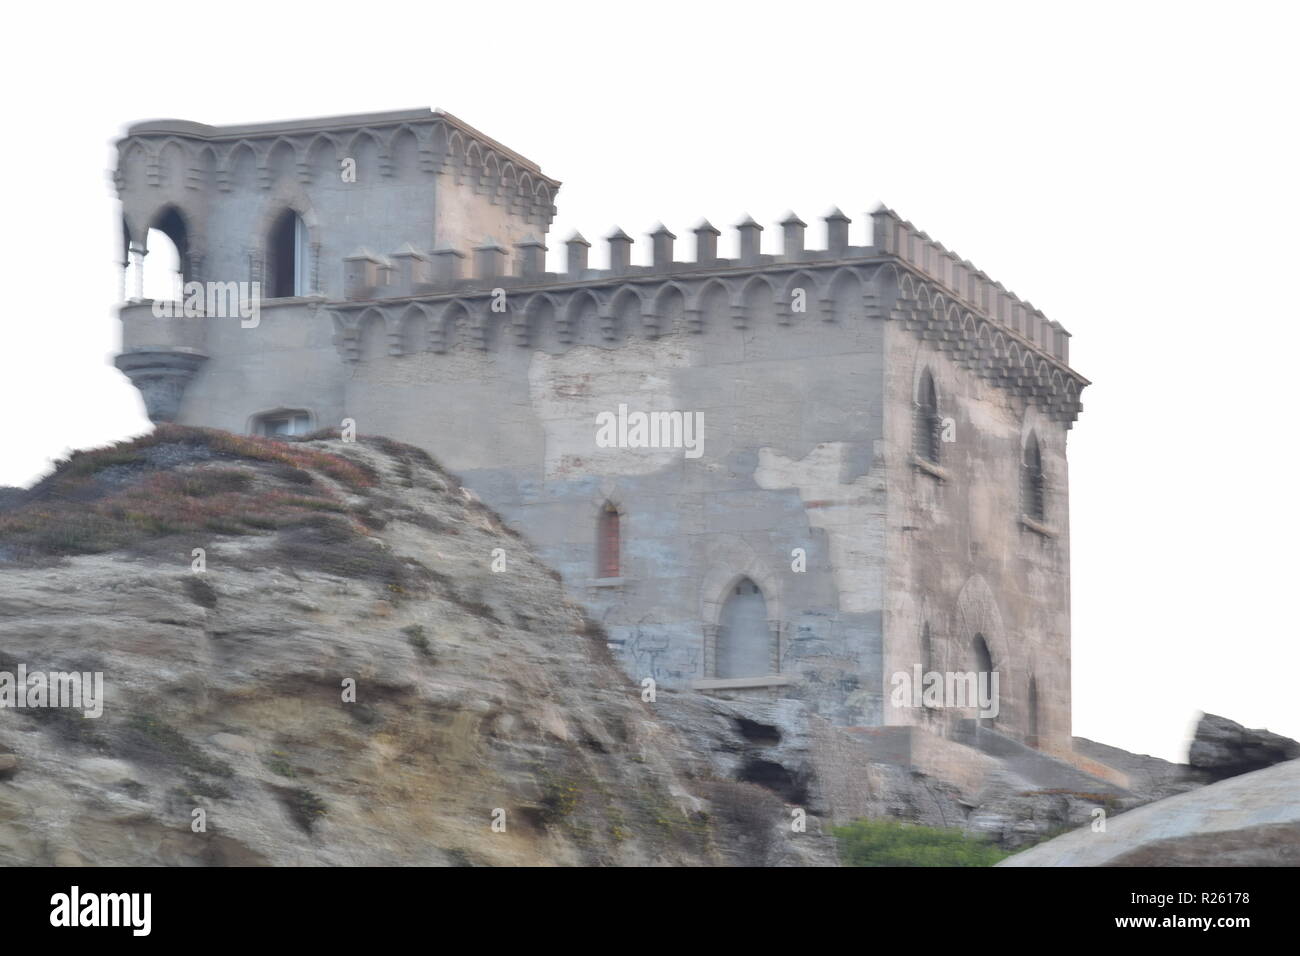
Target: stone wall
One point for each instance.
(962, 559)
(791, 425)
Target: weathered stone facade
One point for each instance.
(426, 314)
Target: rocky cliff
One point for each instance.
(318, 652)
(229, 732)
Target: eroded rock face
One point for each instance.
(1223, 748)
(479, 695)
(831, 772)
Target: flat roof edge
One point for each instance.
(189, 128)
(203, 130)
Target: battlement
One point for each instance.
(895, 236)
(901, 276)
(408, 273)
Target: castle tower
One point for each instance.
(302, 211)
(798, 473)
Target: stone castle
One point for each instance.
(878, 481)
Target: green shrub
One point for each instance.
(418, 639)
(893, 843)
(165, 743)
(304, 806)
(277, 764)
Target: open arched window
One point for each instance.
(288, 254)
(608, 542)
(925, 437)
(166, 263)
(1031, 480)
(744, 636)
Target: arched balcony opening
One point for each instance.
(166, 265)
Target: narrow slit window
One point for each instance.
(926, 425)
(608, 543)
(1031, 737)
(983, 669)
(1031, 483)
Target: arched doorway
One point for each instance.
(744, 638)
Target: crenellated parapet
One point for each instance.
(963, 282)
(427, 302)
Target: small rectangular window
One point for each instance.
(286, 424)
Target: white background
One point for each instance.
(1129, 168)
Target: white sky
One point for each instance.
(1128, 168)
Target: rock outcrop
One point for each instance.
(1149, 778)
(1250, 820)
(1223, 748)
(329, 568)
